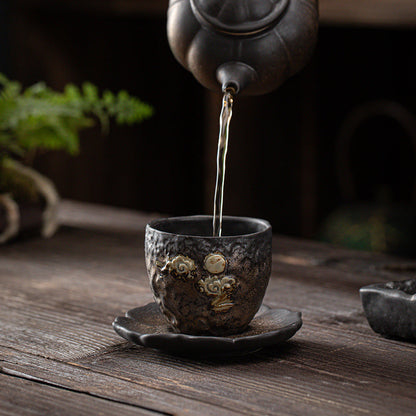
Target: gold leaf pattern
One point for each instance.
(180, 266)
(220, 288)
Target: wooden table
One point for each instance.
(59, 354)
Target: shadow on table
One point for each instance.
(282, 351)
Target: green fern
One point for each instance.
(39, 118)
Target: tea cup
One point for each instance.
(206, 284)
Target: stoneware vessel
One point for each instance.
(251, 46)
(205, 284)
(391, 308)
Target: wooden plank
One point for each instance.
(59, 296)
(169, 375)
(102, 217)
(330, 373)
(69, 289)
(98, 385)
(25, 397)
(397, 13)
(318, 358)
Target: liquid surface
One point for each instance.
(225, 118)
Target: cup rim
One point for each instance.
(153, 224)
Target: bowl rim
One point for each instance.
(391, 292)
(189, 218)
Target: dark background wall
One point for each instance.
(139, 167)
(281, 162)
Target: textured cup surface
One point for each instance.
(205, 284)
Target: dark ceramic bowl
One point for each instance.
(205, 284)
(391, 308)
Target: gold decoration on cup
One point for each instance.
(179, 266)
(220, 288)
(215, 263)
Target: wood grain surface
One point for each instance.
(59, 354)
(369, 12)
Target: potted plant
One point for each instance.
(39, 119)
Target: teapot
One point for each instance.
(249, 46)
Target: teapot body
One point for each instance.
(256, 53)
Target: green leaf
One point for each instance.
(90, 92)
(40, 118)
(3, 79)
(35, 90)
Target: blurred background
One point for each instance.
(339, 135)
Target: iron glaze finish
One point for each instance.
(205, 284)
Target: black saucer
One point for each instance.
(146, 326)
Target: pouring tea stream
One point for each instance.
(209, 280)
(243, 47)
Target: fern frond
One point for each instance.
(41, 118)
(3, 79)
(11, 90)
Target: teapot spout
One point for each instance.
(235, 76)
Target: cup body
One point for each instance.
(205, 284)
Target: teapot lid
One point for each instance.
(239, 16)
